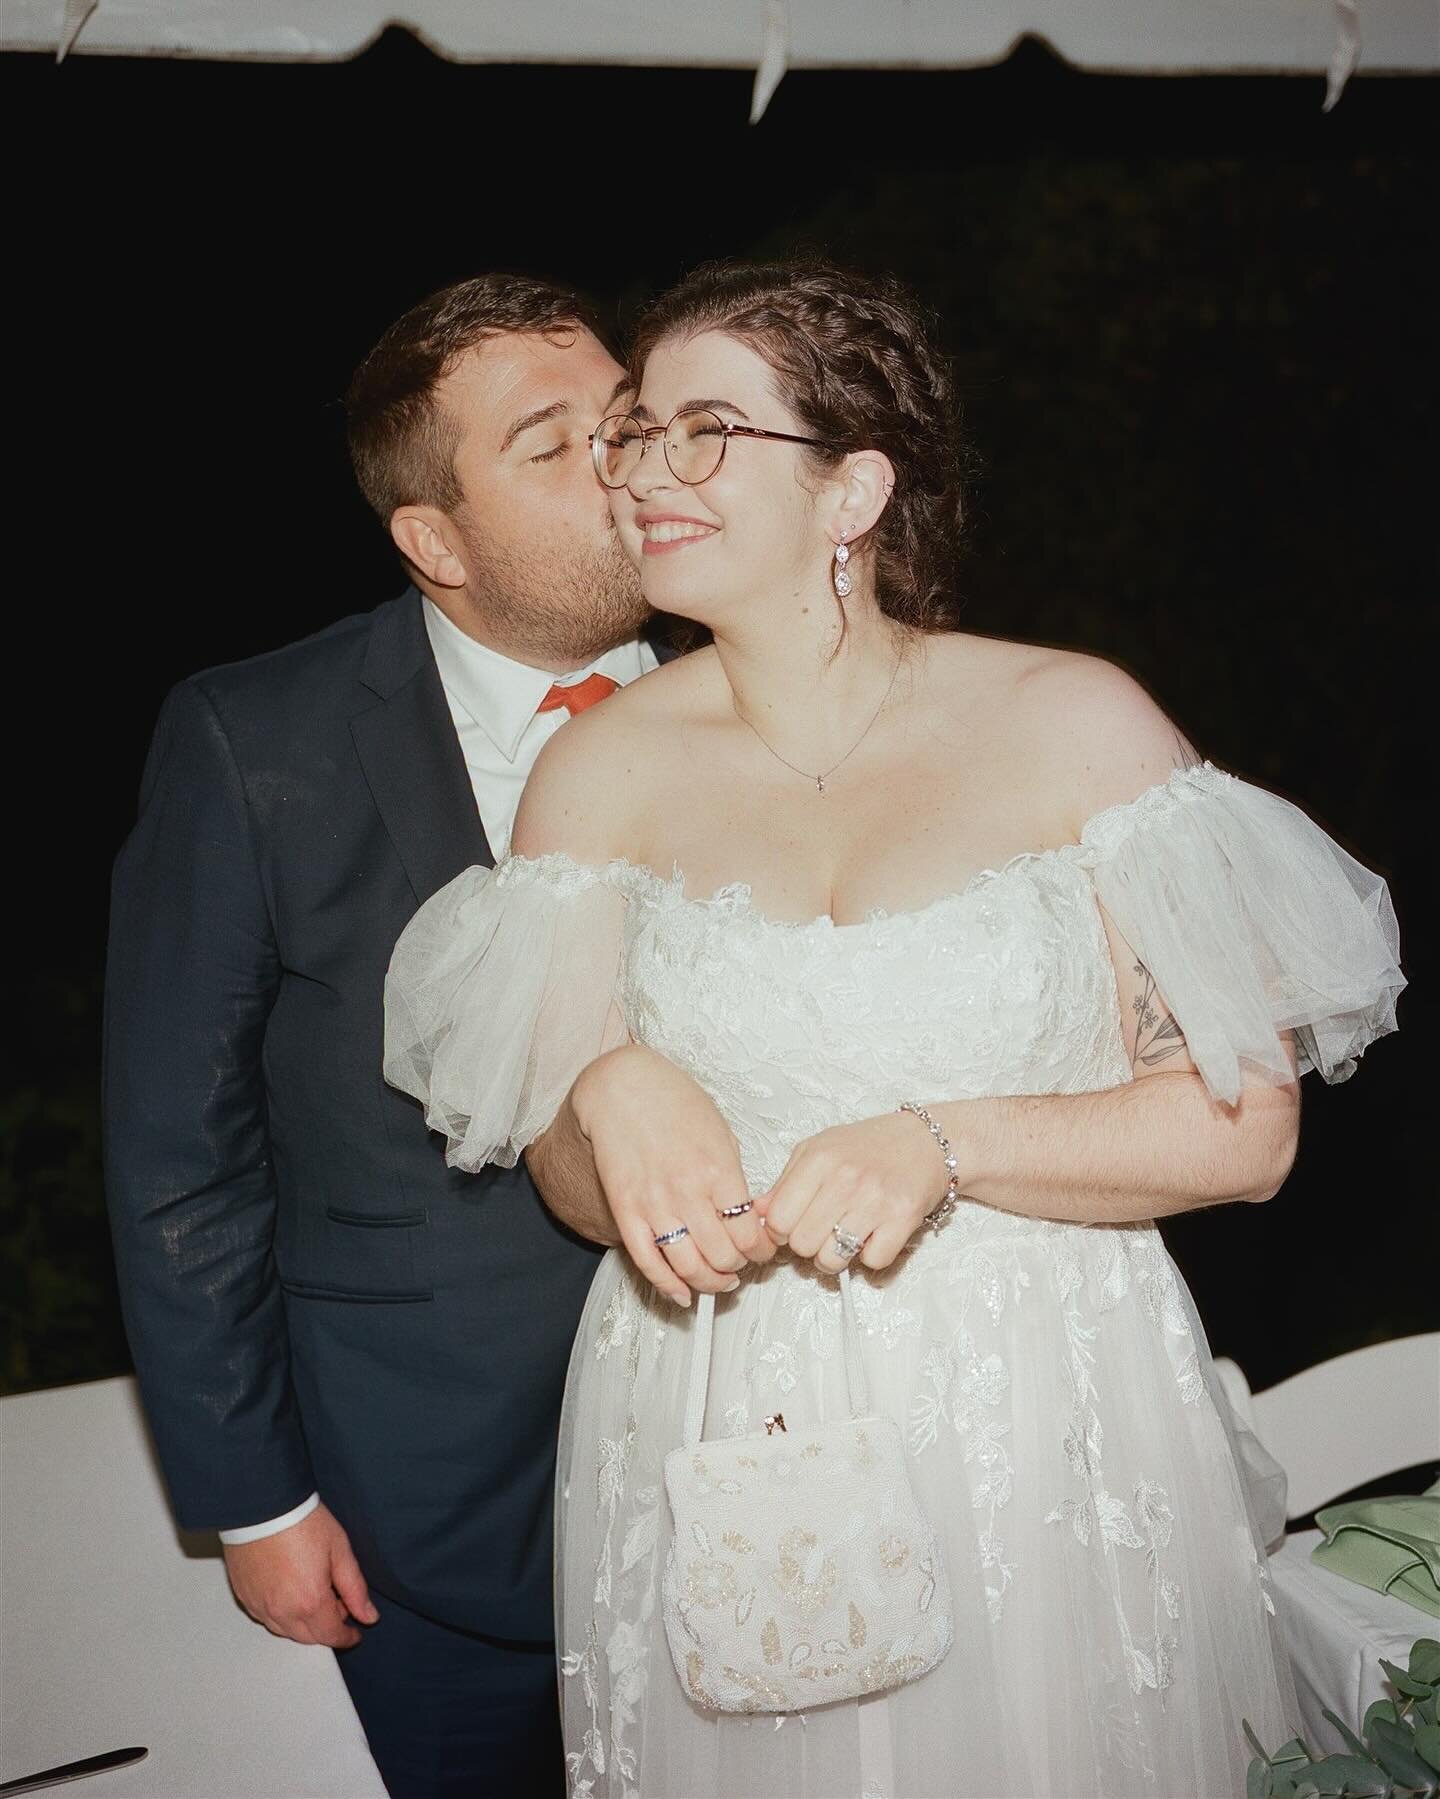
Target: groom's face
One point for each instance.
(544, 571)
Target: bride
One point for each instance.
(854, 939)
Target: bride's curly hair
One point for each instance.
(856, 361)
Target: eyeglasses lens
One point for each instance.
(617, 445)
(694, 447)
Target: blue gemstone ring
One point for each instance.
(681, 1230)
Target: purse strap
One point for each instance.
(856, 1387)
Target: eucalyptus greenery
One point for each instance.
(1396, 1756)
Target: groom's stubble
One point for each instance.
(553, 604)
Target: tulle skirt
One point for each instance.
(1113, 1612)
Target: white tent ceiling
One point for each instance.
(765, 35)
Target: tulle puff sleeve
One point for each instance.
(500, 991)
(1252, 921)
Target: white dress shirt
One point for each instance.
(493, 703)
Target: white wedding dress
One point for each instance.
(1114, 1620)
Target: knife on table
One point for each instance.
(92, 1764)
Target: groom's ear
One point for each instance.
(427, 539)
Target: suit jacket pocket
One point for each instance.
(376, 1221)
(313, 1290)
(363, 1257)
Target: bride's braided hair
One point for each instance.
(856, 362)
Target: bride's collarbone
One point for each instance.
(889, 840)
(800, 876)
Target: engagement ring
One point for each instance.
(847, 1243)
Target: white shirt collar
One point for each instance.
(502, 696)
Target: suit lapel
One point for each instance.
(407, 746)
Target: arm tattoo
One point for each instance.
(1155, 1038)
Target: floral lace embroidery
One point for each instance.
(1097, 1513)
(967, 1387)
(626, 1644)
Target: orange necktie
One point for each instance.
(588, 692)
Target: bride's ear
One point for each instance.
(864, 486)
(427, 540)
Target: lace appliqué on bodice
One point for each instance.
(1005, 987)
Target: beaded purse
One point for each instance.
(802, 1569)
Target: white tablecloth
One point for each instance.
(1337, 1631)
(111, 1633)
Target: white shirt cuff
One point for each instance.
(252, 1533)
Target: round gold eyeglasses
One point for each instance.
(694, 442)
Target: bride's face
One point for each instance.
(707, 551)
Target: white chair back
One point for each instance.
(1348, 1421)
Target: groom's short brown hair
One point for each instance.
(402, 439)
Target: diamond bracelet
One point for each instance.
(952, 1187)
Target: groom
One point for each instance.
(352, 1356)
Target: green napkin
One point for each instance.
(1390, 1545)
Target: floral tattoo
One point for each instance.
(1155, 1038)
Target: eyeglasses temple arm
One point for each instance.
(786, 437)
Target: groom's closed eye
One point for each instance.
(533, 421)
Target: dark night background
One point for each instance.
(1194, 329)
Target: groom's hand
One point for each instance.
(303, 1583)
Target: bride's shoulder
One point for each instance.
(586, 794)
(1084, 726)
(1105, 736)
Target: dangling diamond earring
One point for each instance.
(840, 574)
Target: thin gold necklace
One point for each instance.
(822, 778)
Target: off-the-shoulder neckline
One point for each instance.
(1100, 832)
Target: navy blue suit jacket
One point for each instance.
(313, 1299)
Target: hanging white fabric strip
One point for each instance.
(1346, 54)
(77, 12)
(774, 57)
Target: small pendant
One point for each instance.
(819, 783)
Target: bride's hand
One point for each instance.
(876, 1180)
(666, 1159)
